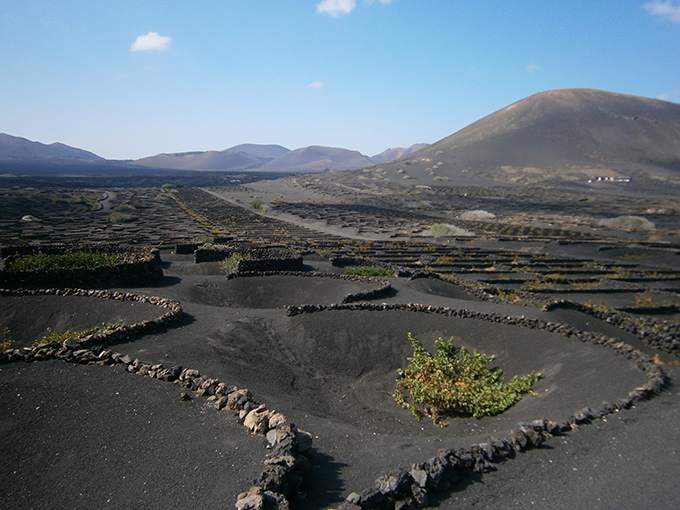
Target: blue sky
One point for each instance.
(127, 79)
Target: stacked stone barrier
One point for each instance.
(120, 333)
(256, 259)
(659, 334)
(287, 465)
(409, 489)
(383, 287)
(136, 266)
(344, 261)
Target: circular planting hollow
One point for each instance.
(28, 316)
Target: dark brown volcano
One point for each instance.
(572, 134)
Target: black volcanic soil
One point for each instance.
(87, 436)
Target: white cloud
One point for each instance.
(532, 68)
(336, 8)
(151, 41)
(666, 10)
(315, 85)
(670, 95)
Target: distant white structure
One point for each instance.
(610, 179)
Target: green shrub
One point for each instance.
(628, 222)
(7, 341)
(53, 336)
(67, 260)
(119, 217)
(230, 264)
(256, 204)
(456, 382)
(369, 271)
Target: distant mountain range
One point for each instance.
(15, 148)
(273, 158)
(244, 157)
(567, 134)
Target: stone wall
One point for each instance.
(287, 466)
(123, 332)
(659, 334)
(255, 259)
(137, 266)
(383, 287)
(401, 488)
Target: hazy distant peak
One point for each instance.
(17, 148)
(397, 152)
(259, 151)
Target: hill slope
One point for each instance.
(572, 134)
(317, 158)
(240, 157)
(17, 148)
(397, 152)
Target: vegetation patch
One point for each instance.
(445, 229)
(119, 217)
(6, 340)
(231, 263)
(53, 336)
(455, 381)
(68, 260)
(369, 271)
(477, 215)
(628, 222)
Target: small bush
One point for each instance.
(230, 264)
(444, 229)
(257, 205)
(477, 215)
(68, 260)
(643, 300)
(7, 341)
(118, 217)
(456, 382)
(369, 271)
(53, 336)
(628, 222)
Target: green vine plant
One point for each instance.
(53, 336)
(7, 341)
(456, 382)
(231, 263)
(369, 271)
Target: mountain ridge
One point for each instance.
(562, 134)
(18, 148)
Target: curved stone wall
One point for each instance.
(287, 466)
(137, 266)
(401, 488)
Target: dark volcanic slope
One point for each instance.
(571, 133)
